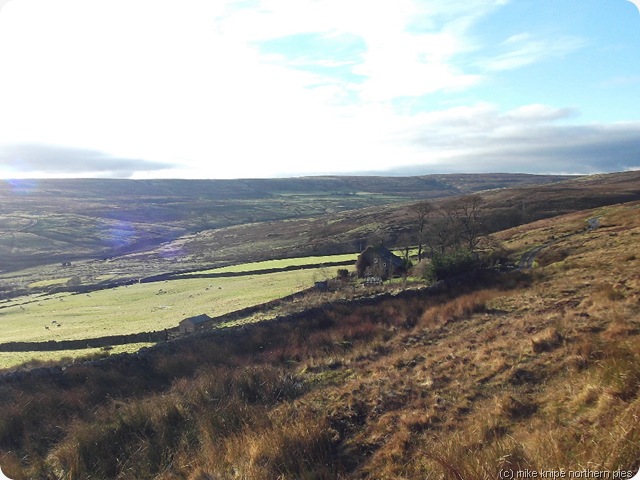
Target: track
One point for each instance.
(529, 257)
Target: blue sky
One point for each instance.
(263, 88)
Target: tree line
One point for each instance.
(453, 234)
(457, 223)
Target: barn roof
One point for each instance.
(198, 319)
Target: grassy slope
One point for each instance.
(282, 263)
(537, 371)
(38, 359)
(148, 306)
(141, 307)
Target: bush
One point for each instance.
(446, 265)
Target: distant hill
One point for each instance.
(342, 232)
(52, 221)
(109, 192)
(127, 230)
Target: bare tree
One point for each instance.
(441, 233)
(404, 242)
(473, 227)
(458, 222)
(422, 211)
(465, 214)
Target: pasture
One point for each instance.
(141, 307)
(282, 263)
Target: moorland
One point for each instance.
(508, 367)
(44, 223)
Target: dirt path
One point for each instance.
(529, 257)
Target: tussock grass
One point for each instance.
(457, 308)
(547, 340)
(504, 374)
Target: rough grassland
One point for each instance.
(535, 371)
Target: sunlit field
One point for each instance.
(283, 263)
(141, 307)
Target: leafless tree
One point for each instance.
(471, 208)
(441, 233)
(456, 223)
(422, 211)
(405, 241)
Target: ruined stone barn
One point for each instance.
(379, 261)
(197, 323)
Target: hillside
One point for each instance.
(44, 222)
(536, 369)
(342, 232)
(195, 234)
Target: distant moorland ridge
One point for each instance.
(51, 221)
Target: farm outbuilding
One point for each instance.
(193, 324)
(379, 262)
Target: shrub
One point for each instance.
(446, 265)
(343, 274)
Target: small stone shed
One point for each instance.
(194, 324)
(379, 261)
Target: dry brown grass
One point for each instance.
(539, 372)
(546, 340)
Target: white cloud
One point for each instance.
(636, 3)
(186, 82)
(410, 45)
(193, 83)
(525, 49)
(2, 4)
(536, 113)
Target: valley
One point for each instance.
(507, 368)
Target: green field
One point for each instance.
(283, 263)
(142, 307)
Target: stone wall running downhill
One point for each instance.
(52, 345)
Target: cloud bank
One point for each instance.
(230, 88)
(526, 139)
(24, 160)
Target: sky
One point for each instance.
(273, 88)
